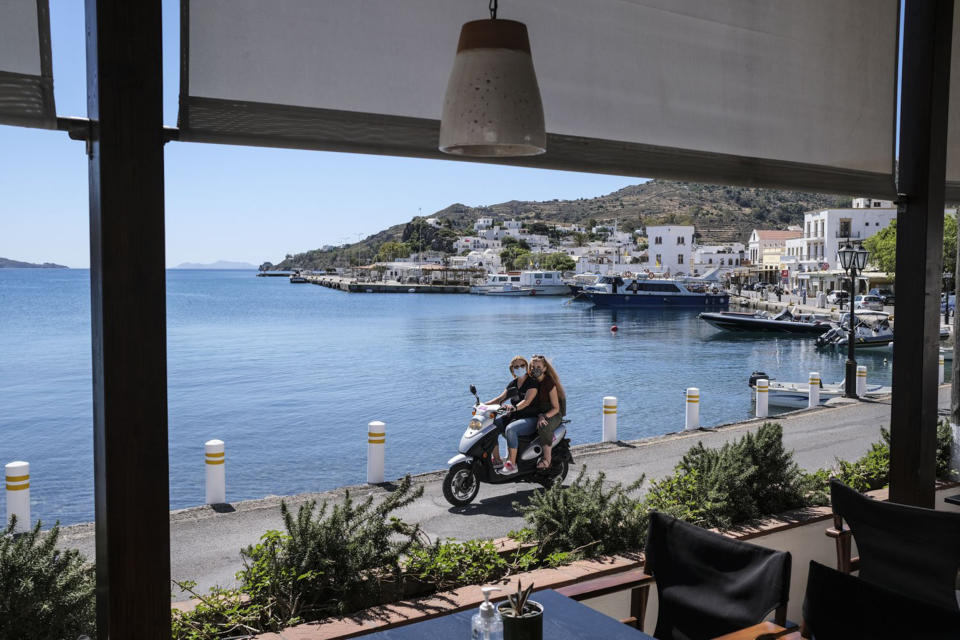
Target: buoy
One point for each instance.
(614, 328)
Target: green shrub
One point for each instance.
(741, 481)
(452, 564)
(586, 519)
(944, 450)
(220, 613)
(45, 592)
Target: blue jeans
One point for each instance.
(517, 428)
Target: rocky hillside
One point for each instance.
(720, 214)
(7, 263)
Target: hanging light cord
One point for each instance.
(493, 9)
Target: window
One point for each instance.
(681, 240)
(710, 261)
(657, 286)
(658, 240)
(659, 259)
(548, 276)
(679, 258)
(721, 262)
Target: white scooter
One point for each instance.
(474, 463)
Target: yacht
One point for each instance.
(626, 291)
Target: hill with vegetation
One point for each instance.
(721, 214)
(7, 263)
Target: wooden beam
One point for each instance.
(128, 317)
(925, 83)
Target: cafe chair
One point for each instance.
(841, 606)
(710, 585)
(912, 550)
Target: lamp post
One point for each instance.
(852, 260)
(947, 289)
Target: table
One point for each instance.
(564, 619)
(764, 629)
(953, 499)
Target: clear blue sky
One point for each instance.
(228, 202)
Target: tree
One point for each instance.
(558, 262)
(579, 238)
(392, 250)
(513, 257)
(510, 241)
(883, 248)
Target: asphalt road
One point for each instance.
(205, 543)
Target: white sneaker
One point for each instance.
(508, 468)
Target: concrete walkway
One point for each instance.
(205, 544)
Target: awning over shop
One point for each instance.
(730, 91)
(26, 65)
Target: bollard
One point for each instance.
(376, 441)
(940, 370)
(693, 408)
(18, 494)
(763, 393)
(861, 381)
(215, 458)
(609, 419)
(813, 392)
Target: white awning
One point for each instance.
(762, 92)
(953, 121)
(26, 73)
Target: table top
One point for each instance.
(563, 619)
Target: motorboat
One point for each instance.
(581, 280)
(496, 281)
(625, 291)
(508, 289)
(784, 322)
(544, 283)
(872, 331)
(297, 277)
(796, 395)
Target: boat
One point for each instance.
(615, 291)
(544, 283)
(783, 322)
(497, 281)
(508, 289)
(795, 395)
(581, 280)
(297, 277)
(873, 331)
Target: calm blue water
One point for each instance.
(289, 376)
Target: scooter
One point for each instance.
(474, 463)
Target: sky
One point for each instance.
(229, 202)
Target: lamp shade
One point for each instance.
(846, 256)
(862, 255)
(492, 106)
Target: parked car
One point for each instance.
(835, 296)
(886, 295)
(873, 303)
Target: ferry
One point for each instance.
(617, 291)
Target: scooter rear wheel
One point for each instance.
(461, 485)
(558, 473)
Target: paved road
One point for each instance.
(205, 544)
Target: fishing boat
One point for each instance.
(616, 291)
(783, 322)
(796, 395)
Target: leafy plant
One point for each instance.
(944, 449)
(221, 613)
(586, 518)
(451, 564)
(45, 592)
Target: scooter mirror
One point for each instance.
(473, 390)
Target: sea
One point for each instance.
(289, 376)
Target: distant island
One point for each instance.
(219, 264)
(6, 263)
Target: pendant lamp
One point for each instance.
(492, 106)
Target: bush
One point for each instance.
(741, 481)
(944, 450)
(45, 592)
(585, 519)
(452, 564)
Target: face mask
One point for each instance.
(519, 371)
(536, 372)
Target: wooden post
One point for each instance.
(128, 318)
(927, 37)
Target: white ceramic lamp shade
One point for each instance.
(492, 107)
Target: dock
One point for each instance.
(352, 285)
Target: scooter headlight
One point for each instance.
(475, 423)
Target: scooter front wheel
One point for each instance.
(460, 486)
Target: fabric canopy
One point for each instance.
(765, 92)
(26, 75)
(953, 117)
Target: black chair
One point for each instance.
(839, 606)
(911, 550)
(710, 585)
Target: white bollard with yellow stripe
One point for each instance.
(693, 408)
(609, 419)
(813, 391)
(18, 494)
(861, 381)
(216, 458)
(940, 370)
(376, 442)
(763, 397)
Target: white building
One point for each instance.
(870, 203)
(762, 240)
(433, 222)
(670, 248)
(722, 257)
(482, 223)
(825, 231)
(475, 243)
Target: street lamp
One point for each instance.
(947, 279)
(852, 260)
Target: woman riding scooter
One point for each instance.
(550, 405)
(520, 419)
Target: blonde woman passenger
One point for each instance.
(521, 415)
(550, 405)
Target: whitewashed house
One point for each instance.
(670, 248)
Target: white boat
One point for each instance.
(795, 395)
(508, 289)
(544, 283)
(496, 281)
(873, 331)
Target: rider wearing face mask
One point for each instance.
(521, 392)
(550, 405)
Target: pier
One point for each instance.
(353, 285)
